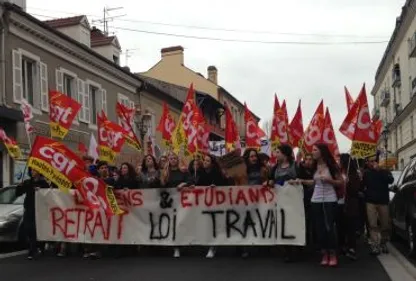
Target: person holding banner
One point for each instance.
(173, 177)
(149, 177)
(257, 174)
(127, 178)
(208, 175)
(29, 187)
(327, 179)
(283, 171)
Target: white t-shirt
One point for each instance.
(323, 192)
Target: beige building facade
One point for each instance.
(395, 89)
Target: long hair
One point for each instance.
(246, 157)
(144, 166)
(214, 163)
(348, 164)
(287, 151)
(328, 159)
(131, 173)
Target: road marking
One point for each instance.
(13, 254)
(397, 266)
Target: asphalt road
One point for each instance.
(226, 266)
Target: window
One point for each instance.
(401, 136)
(412, 130)
(116, 59)
(93, 92)
(30, 80)
(69, 86)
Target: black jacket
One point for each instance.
(205, 178)
(376, 184)
(28, 188)
(125, 182)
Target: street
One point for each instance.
(225, 266)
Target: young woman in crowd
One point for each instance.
(284, 171)
(257, 174)
(163, 160)
(150, 173)
(195, 170)
(350, 213)
(127, 178)
(209, 174)
(327, 179)
(29, 187)
(173, 177)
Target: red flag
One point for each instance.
(232, 137)
(313, 133)
(328, 135)
(190, 121)
(274, 135)
(253, 132)
(126, 117)
(82, 148)
(110, 138)
(296, 127)
(348, 125)
(364, 142)
(166, 125)
(348, 98)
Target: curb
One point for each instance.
(13, 254)
(408, 266)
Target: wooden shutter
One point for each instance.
(17, 76)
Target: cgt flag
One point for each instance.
(110, 139)
(65, 169)
(62, 111)
(11, 145)
(126, 117)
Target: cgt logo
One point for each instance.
(110, 137)
(57, 159)
(60, 114)
(90, 186)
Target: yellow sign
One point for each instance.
(50, 173)
(361, 150)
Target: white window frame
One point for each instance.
(74, 95)
(37, 86)
(89, 83)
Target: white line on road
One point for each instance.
(397, 266)
(12, 254)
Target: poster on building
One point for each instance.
(20, 172)
(235, 215)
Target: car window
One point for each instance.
(410, 174)
(400, 180)
(7, 195)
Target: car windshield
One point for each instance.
(8, 196)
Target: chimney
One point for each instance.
(174, 54)
(213, 74)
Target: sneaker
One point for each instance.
(384, 248)
(211, 253)
(86, 255)
(61, 254)
(95, 255)
(245, 254)
(333, 260)
(176, 253)
(30, 257)
(351, 254)
(325, 260)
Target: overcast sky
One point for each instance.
(253, 72)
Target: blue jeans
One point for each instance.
(324, 215)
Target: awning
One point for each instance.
(11, 114)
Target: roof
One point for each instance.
(177, 92)
(18, 10)
(64, 22)
(98, 38)
(237, 101)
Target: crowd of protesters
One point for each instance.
(343, 200)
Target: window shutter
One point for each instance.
(44, 94)
(59, 81)
(87, 111)
(81, 88)
(37, 94)
(17, 76)
(104, 100)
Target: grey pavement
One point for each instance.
(227, 267)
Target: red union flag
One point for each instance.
(313, 133)
(110, 138)
(328, 135)
(126, 117)
(11, 145)
(62, 111)
(253, 131)
(166, 125)
(64, 168)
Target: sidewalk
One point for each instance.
(397, 266)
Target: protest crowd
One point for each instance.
(345, 196)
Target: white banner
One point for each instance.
(235, 215)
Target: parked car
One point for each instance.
(11, 215)
(396, 176)
(403, 206)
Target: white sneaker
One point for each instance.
(211, 253)
(176, 253)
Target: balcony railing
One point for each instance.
(384, 98)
